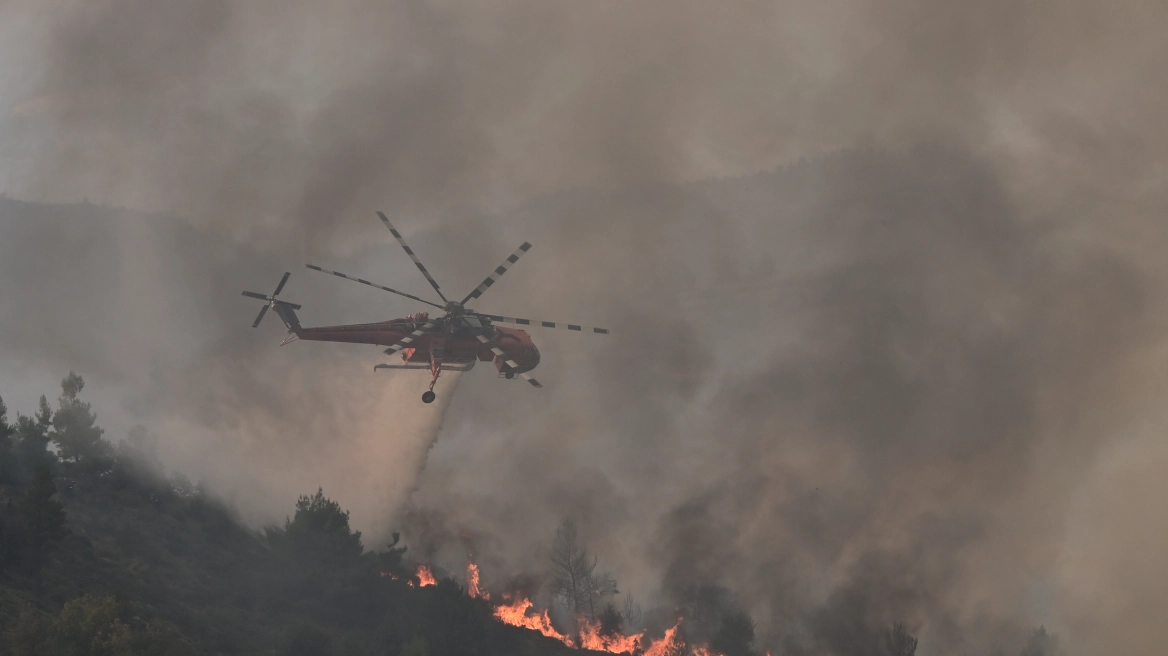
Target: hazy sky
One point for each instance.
(917, 377)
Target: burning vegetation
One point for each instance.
(573, 605)
(590, 621)
(472, 582)
(516, 614)
(424, 576)
(592, 635)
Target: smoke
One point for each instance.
(888, 383)
(149, 311)
(884, 430)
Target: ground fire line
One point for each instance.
(518, 611)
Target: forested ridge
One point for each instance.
(100, 554)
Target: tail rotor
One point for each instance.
(271, 300)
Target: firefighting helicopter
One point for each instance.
(451, 342)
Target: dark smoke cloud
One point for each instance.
(891, 383)
(881, 415)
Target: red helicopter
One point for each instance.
(453, 341)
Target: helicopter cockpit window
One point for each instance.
(474, 322)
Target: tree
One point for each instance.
(601, 588)
(91, 626)
(389, 561)
(899, 642)
(12, 536)
(32, 440)
(184, 488)
(319, 533)
(28, 635)
(44, 517)
(632, 612)
(75, 432)
(136, 458)
(611, 621)
(1041, 643)
(570, 567)
(7, 457)
(576, 583)
(704, 606)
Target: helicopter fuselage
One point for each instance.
(440, 342)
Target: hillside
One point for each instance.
(120, 561)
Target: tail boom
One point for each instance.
(287, 314)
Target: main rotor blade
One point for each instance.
(410, 252)
(500, 270)
(366, 282)
(281, 285)
(262, 297)
(260, 316)
(408, 339)
(508, 361)
(546, 324)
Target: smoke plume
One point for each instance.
(885, 282)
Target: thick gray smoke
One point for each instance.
(916, 377)
(148, 309)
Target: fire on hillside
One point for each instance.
(424, 576)
(518, 610)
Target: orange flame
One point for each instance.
(590, 638)
(425, 577)
(472, 583)
(666, 646)
(516, 615)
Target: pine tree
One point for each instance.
(319, 533)
(7, 455)
(5, 428)
(75, 433)
(1041, 643)
(899, 642)
(44, 517)
(571, 568)
(577, 584)
(32, 440)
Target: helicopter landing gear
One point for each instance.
(428, 397)
(509, 375)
